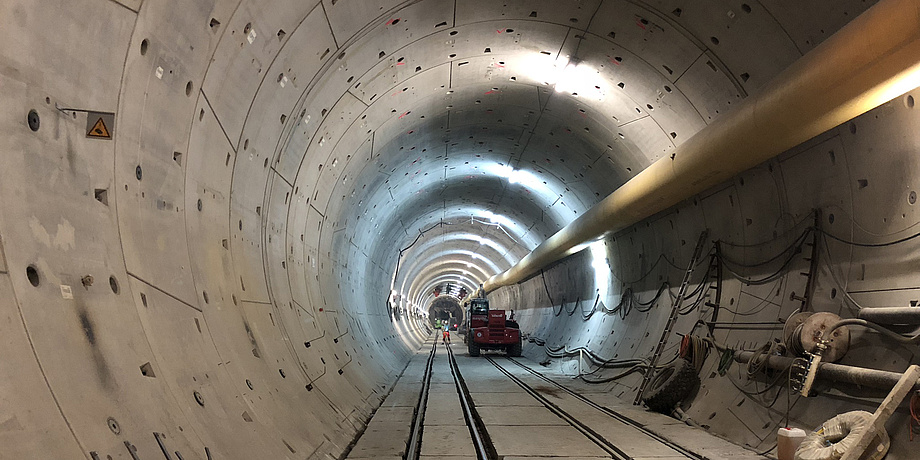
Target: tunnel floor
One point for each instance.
(498, 407)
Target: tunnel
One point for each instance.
(223, 223)
(445, 309)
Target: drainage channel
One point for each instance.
(612, 413)
(418, 418)
(600, 441)
(485, 450)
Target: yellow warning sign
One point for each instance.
(99, 130)
(100, 125)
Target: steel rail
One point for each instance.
(596, 438)
(485, 450)
(612, 413)
(413, 449)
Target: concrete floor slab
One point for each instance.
(542, 441)
(545, 457)
(443, 441)
(444, 415)
(381, 443)
(394, 415)
(702, 442)
(350, 457)
(519, 416)
(448, 457)
(504, 399)
(443, 388)
(401, 399)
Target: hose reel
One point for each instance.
(804, 331)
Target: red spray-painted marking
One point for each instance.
(491, 91)
(404, 114)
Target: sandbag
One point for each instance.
(835, 436)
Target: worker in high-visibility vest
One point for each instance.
(446, 336)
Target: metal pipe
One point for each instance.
(873, 378)
(868, 62)
(891, 315)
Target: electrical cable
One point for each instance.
(794, 247)
(887, 332)
(869, 245)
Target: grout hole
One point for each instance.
(32, 274)
(102, 195)
(147, 370)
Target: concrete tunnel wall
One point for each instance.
(269, 158)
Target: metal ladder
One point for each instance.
(675, 308)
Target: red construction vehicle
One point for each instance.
(490, 330)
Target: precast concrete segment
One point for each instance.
(871, 60)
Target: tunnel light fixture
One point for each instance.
(579, 79)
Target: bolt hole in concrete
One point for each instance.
(147, 370)
(144, 44)
(34, 120)
(113, 425)
(281, 371)
(101, 195)
(113, 283)
(138, 172)
(909, 101)
(912, 197)
(32, 274)
(249, 384)
(198, 398)
(188, 89)
(205, 295)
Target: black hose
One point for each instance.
(878, 328)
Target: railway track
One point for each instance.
(593, 436)
(480, 436)
(612, 413)
(610, 448)
(478, 433)
(414, 449)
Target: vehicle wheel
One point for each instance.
(473, 348)
(515, 349)
(512, 324)
(670, 386)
